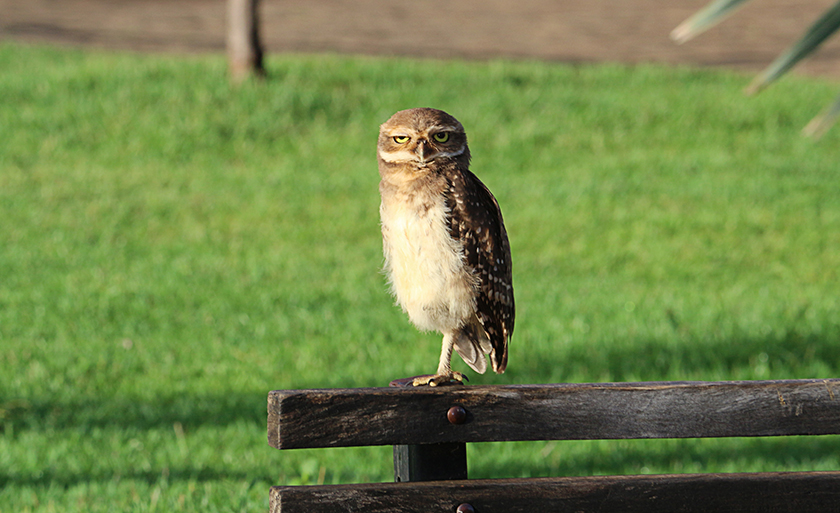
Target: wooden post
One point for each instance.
(245, 54)
(430, 462)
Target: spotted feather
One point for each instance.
(475, 220)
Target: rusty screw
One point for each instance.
(456, 415)
(465, 508)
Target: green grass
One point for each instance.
(171, 249)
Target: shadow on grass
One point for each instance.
(789, 355)
(67, 478)
(190, 411)
(631, 457)
(670, 456)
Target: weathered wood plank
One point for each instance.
(814, 492)
(391, 416)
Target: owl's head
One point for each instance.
(422, 139)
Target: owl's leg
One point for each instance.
(445, 374)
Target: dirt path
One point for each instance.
(567, 30)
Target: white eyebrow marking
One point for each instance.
(394, 132)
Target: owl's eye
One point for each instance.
(441, 137)
(401, 139)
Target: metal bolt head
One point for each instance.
(456, 415)
(465, 508)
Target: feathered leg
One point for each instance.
(445, 374)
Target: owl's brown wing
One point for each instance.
(476, 220)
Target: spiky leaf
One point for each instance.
(820, 124)
(828, 23)
(704, 19)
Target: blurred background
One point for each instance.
(568, 31)
(174, 245)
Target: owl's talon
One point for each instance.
(436, 380)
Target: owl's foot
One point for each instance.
(436, 380)
(432, 380)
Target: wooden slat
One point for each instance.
(391, 416)
(812, 492)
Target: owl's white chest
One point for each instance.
(425, 265)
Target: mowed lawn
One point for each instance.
(172, 248)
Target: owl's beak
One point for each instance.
(422, 150)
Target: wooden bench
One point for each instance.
(429, 429)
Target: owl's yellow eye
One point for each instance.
(401, 139)
(441, 137)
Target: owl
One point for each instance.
(447, 255)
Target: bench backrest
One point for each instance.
(434, 422)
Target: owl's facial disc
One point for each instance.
(409, 146)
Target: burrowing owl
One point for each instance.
(447, 254)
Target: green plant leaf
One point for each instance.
(704, 19)
(826, 25)
(820, 124)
